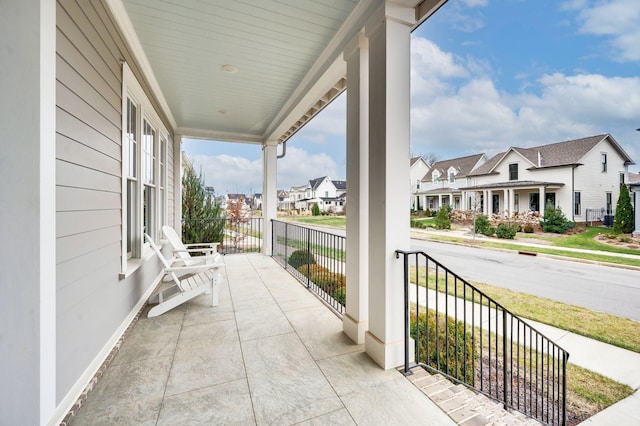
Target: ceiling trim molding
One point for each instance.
(427, 8)
(119, 13)
(214, 135)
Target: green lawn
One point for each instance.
(618, 331)
(585, 240)
(332, 221)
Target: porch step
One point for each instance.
(463, 405)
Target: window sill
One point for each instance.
(134, 264)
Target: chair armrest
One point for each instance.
(194, 268)
(211, 245)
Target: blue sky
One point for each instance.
(486, 75)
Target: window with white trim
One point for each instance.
(603, 161)
(144, 164)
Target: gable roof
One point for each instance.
(554, 155)
(414, 160)
(634, 178)
(341, 185)
(315, 183)
(464, 165)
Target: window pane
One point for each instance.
(148, 152)
(132, 137)
(131, 214)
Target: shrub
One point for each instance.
(528, 228)
(442, 219)
(315, 209)
(332, 283)
(434, 349)
(507, 231)
(623, 221)
(427, 212)
(555, 221)
(301, 257)
(483, 226)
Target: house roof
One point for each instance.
(340, 184)
(514, 184)
(315, 183)
(553, 155)
(414, 160)
(463, 165)
(634, 178)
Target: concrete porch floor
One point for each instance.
(269, 353)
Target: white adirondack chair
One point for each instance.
(202, 278)
(183, 251)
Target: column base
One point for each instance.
(386, 355)
(354, 329)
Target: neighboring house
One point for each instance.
(634, 187)
(580, 176)
(328, 194)
(440, 184)
(256, 202)
(417, 169)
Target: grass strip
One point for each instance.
(543, 250)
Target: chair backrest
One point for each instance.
(163, 259)
(176, 243)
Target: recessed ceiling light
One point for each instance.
(231, 69)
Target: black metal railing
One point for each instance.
(241, 235)
(315, 258)
(467, 336)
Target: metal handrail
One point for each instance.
(475, 341)
(235, 235)
(316, 258)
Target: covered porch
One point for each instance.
(507, 199)
(270, 353)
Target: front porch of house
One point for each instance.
(270, 353)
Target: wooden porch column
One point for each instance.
(28, 212)
(389, 31)
(355, 320)
(269, 192)
(542, 203)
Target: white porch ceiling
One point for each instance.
(288, 56)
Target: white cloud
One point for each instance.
(234, 174)
(229, 174)
(617, 19)
(471, 115)
(298, 166)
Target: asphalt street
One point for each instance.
(600, 288)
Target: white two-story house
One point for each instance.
(441, 183)
(580, 176)
(417, 169)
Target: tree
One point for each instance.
(442, 219)
(315, 209)
(555, 221)
(203, 218)
(623, 222)
(236, 218)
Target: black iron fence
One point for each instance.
(464, 334)
(315, 258)
(241, 235)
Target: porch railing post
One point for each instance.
(308, 257)
(504, 357)
(286, 244)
